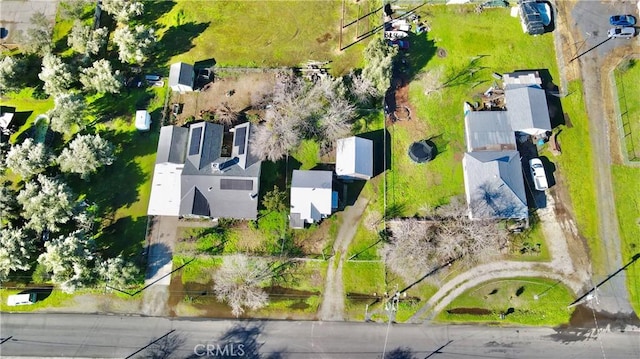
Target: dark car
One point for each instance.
(622, 20)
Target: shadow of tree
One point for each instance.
(164, 348)
(110, 106)
(400, 353)
(177, 40)
(153, 10)
(159, 254)
(42, 293)
(124, 236)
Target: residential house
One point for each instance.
(203, 172)
(527, 109)
(181, 77)
(494, 185)
(354, 158)
(488, 131)
(312, 197)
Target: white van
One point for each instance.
(22, 299)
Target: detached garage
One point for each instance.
(354, 158)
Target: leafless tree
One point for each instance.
(362, 89)
(417, 246)
(432, 81)
(225, 114)
(239, 282)
(336, 122)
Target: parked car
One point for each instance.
(622, 20)
(538, 174)
(22, 299)
(622, 32)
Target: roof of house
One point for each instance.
(211, 185)
(527, 108)
(488, 131)
(354, 157)
(181, 73)
(311, 194)
(172, 144)
(494, 185)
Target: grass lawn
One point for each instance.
(626, 183)
(365, 244)
(242, 33)
(627, 80)
(199, 270)
(517, 298)
(534, 237)
(363, 278)
(575, 166)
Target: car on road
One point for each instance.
(622, 20)
(621, 32)
(538, 174)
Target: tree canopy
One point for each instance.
(134, 43)
(28, 158)
(46, 203)
(101, 78)
(85, 155)
(55, 74)
(69, 258)
(68, 114)
(239, 281)
(16, 249)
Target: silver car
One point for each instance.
(622, 32)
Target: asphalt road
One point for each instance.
(75, 335)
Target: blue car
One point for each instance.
(622, 20)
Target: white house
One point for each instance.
(354, 158)
(143, 120)
(181, 77)
(312, 198)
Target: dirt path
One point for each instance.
(332, 307)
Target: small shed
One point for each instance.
(312, 197)
(354, 158)
(181, 77)
(143, 120)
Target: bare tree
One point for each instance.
(432, 81)
(275, 138)
(362, 89)
(336, 122)
(417, 246)
(239, 282)
(225, 114)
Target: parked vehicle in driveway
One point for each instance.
(622, 20)
(538, 174)
(622, 32)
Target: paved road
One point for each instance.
(591, 22)
(55, 335)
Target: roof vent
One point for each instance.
(215, 167)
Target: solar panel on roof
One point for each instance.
(241, 135)
(236, 184)
(196, 135)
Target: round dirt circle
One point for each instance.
(442, 53)
(402, 113)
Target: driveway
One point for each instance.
(162, 238)
(15, 15)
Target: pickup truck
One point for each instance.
(538, 174)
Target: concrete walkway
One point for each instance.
(332, 307)
(160, 254)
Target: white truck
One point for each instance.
(538, 174)
(22, 299)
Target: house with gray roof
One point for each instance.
(494, 185)
(312, 197)
(181, 77)
(527, 109)
(204, 172)
(488, 131)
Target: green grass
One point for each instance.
(534, 237)
(364, 244)
(242, 33)
(307, 276)
(363, 277)
(626, 184)
(627, 83)
(290, 308)
(549, 309)
(199, 270)
(307, 154)
(575, 166)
